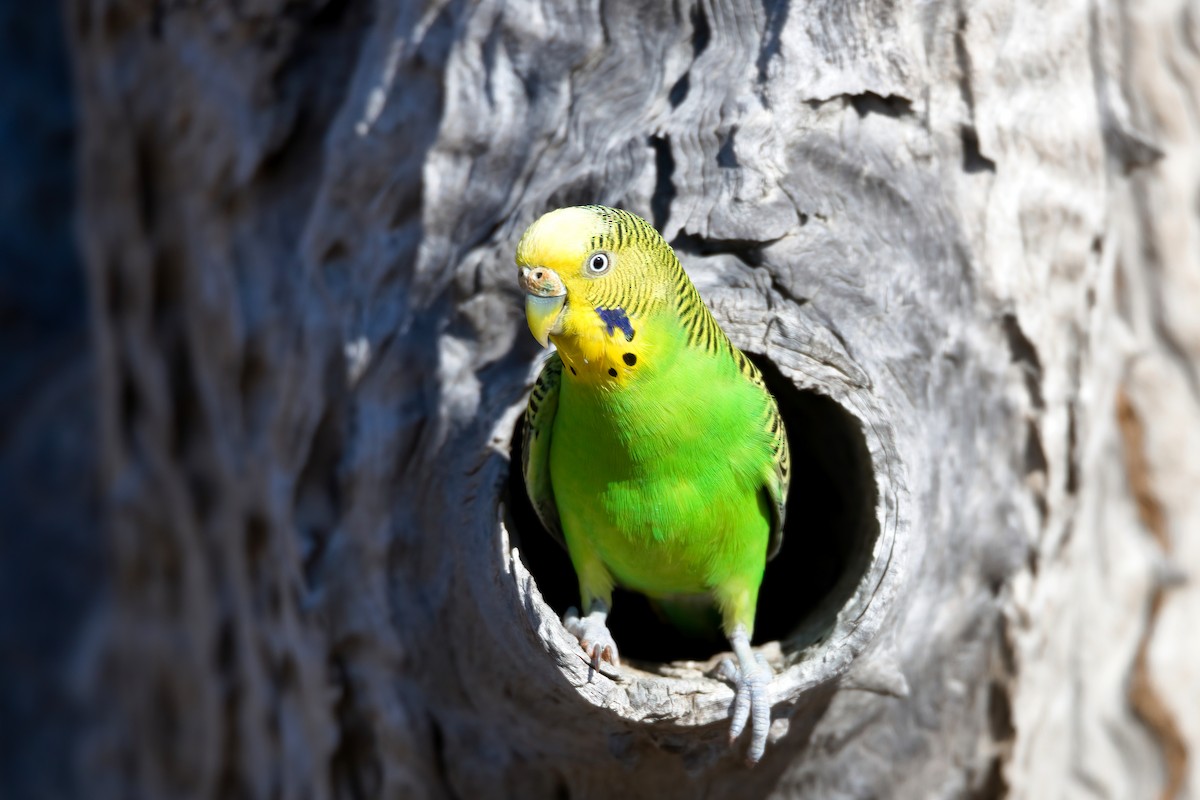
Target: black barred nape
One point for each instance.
(698, 322)
(747, 367)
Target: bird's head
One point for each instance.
(590, 272)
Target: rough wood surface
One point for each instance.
(971, 227)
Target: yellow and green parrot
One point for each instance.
(652, 448)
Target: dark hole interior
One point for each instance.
(828, 538)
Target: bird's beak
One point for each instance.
(545, 297)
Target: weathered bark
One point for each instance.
(962, 241)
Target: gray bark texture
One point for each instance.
(962, 240)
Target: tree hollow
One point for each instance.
(822, 598)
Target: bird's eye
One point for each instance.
(598, 263)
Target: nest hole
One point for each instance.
(829, 538)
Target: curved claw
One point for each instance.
(593, 636)
(751, 702)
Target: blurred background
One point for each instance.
(51, 553)
(262, 357)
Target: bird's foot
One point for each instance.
(751, 677)
(592, 633)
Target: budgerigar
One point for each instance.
(652, 448)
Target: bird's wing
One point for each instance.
(539, 425)
(779, 476)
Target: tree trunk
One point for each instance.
(961, 240)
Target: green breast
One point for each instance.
(663, 475)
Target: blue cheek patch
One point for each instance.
(616, 319)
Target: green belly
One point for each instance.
(664, 486)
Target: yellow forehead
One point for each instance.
(561, 239)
